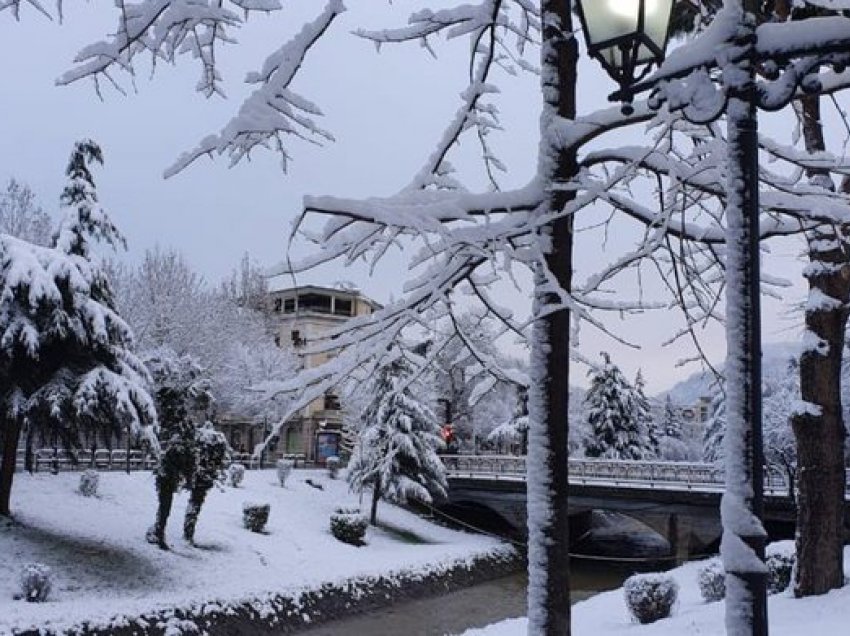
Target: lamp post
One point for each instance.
(628, 37)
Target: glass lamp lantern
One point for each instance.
(626, 36)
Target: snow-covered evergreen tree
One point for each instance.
(643, 414)
(183, 400)
(396, 450)
(671, 424)
(210, 456)
(66, 360)
(616, 430)
(715, 429)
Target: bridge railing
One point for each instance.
(617, 472)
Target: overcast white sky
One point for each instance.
(385, 110)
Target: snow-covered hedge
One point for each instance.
(332, 464)
(349, 526)
(89, 481)
(235, 474)
(711, 579)
(36, 582)
(780, 560)
(650, 597)
(284, 468)
(255, 515)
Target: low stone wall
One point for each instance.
(288, 614)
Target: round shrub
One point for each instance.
(650, 597)
(235, 474)
(255, 516)
(780, 565)
(349, 526)
(89, 481)
(711, 579)
(36, 582)
(332, 464)
(284, 468)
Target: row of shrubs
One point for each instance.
(651, 597)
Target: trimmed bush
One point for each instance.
(284, 469)
(255, 516)
(89, 481)
(650, 597)
(349, 526)
(332, 464)
(235, 474)
(36, 582)
(711, 579)
(780, 565)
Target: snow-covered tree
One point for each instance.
(66, 360)
(396, 449)
(514, 431)
(671, 424)
(616, 428)
(715, 430)
(22, 217)
(211, 454)
(183, 400)
(643, 413)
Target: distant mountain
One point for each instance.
(775, 356)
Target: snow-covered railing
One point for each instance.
(688, 475)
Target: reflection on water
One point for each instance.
(471, 607)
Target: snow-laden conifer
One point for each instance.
(66, 360)
(615, 416)
(396, 450)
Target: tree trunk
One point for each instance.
(165, 489)
(11, 429)
(819, 432)
(744, 538)
(376, 495)
(193, 510)
(29, 453)
(548, 448)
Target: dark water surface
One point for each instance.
(472, 607)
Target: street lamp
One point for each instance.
(626, 36)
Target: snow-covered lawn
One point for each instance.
(103, 566)
(606, 614)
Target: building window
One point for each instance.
(297, 340)
(319, 303)
(289, 306)
(331, 402)
(342, 307)
(277, 304)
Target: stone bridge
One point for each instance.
(680, 501)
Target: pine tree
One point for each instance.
(396, 450)
(715, 430)
(66, 361)
(613, 415)
(672, 423)
(643, 413)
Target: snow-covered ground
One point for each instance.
(606, 614)
(103, 567)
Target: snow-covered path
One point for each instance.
(103, 567)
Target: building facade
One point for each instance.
(304, 315)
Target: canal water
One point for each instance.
(476, 606)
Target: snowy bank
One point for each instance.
(106, 575)
(606, 614)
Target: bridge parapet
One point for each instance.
(686, 475)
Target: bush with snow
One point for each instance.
(36, 582)
(650, 597)
(332, 464)
(89, 481)
(284, 468)
(255, 516)
(780, 561)
(235, 474)
(711, 579)
(349, 526)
